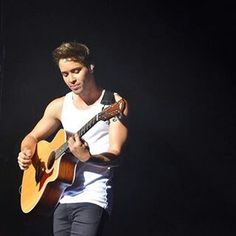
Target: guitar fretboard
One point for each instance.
(64, 147)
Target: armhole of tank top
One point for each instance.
(65, 104)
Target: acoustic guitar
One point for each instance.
(53, 167)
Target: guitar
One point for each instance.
(53, 167)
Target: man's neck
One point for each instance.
(87, 98)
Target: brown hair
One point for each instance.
(75, 51)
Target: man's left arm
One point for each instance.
(118, 133)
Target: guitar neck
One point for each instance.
(115, 109)
(88, 125)
(64, 147)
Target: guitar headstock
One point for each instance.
(115, 109)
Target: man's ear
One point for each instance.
(91, 67)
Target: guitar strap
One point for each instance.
(108, 98)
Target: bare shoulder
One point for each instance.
(57, 101)
(54, 108)
(117, 98)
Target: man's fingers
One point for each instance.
(24, 159)
(28, 153)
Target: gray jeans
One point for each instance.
(78, 219)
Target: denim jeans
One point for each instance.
(78, 219)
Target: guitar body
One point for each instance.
(45, 180)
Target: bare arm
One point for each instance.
(45, 127)
(118, 133)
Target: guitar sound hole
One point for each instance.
(51, 160)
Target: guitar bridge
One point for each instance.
(51, 160)
(40, 170)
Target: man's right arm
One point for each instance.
(44, 128)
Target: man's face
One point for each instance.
(74, 74)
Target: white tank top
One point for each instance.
(92, 184)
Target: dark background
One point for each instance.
(175, 64)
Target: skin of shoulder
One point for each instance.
(50, 120)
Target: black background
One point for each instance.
(174, 63)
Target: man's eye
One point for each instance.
(64, 74)
(76, 71)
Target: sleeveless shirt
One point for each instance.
(92, 184)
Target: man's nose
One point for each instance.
(72, 78)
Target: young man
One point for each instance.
(82, 204)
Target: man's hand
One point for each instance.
(24, 159)
(79, 148)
